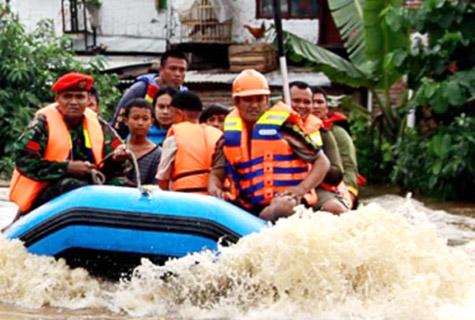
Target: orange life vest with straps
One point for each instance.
(269, 166)
(196, 144)
(342, 188)
(311, 127)
(23, 190)
(335, 117)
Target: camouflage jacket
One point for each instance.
(30, 148)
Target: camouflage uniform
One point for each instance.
(30, 148)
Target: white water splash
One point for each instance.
(366, 264)
(34, 281)
(457, 229)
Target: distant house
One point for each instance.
(140, 27)
(132, 34)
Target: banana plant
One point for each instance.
(371, 31)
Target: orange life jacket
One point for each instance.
(312, 126)
(23, 190)
(196, 144)
(269, 166)
(335, 117)
(342, 188)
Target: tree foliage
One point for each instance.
(440, 73)
(372, 30)
(348, 17)
(29, 65)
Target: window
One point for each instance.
(291, 9)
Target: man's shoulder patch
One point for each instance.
(33, 146)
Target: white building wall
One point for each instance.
(136, 26)
(245, 13)
(32, 11)
(133, 26)
(125, 25)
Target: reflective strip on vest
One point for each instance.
(312, 126)
(270, 166)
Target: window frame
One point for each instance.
(288, 16)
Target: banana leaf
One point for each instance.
(348, 17)
(381, 38)
(335, 67)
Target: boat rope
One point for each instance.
(99, 178)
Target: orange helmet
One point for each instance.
(250, 83)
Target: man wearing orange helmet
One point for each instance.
(265, 153)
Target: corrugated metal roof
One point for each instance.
(217, 76)
(274, 77)
(204, 76)
(113, 62)
(310, 77)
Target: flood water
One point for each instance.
(394, 258)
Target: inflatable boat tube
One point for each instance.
(108, 229)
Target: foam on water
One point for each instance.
(366, 264)
(33, 281)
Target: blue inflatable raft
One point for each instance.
(108, 229)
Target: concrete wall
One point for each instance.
(126, 26)
(32, 11)
(135, 26)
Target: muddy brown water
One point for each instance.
(395, 258)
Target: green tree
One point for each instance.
(29, 65)
(371, 31)
(440, 73)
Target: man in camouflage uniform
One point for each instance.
(62, 175)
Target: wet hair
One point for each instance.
(95, 93)
(214, 109)
(174, 54)
(319, 90)
(187, 100)
(165, 90)
(137, 103)
(300, 85)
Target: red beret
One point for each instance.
(73, 81)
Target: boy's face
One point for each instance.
(139, 121)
